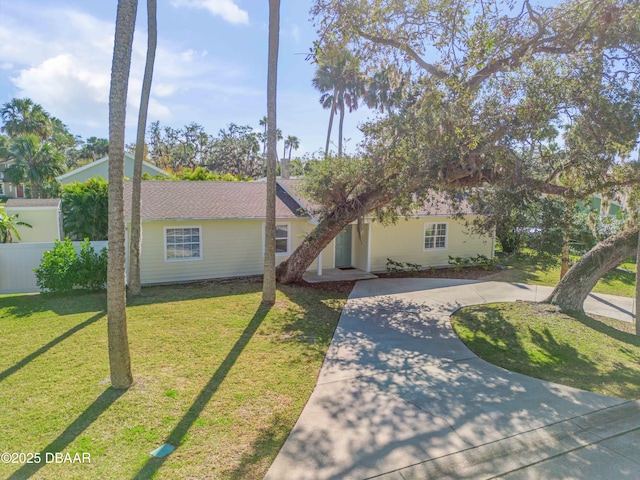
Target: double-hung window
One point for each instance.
(282, 239)
(435, 236)
(184, 243)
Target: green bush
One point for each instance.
(63, 270)
(400, 267)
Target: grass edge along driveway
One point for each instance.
(591, 353)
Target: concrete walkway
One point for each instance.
(401, 397)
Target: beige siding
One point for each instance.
(45, 224)
(404, 242)
(300, 229)
(360, 246)
(230, 248)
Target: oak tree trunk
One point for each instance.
(269, 278)
(292, 269)
(135, 244)
(119, 357)
(574, 287)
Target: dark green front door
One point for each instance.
(343, 248)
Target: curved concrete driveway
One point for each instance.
(401, 397)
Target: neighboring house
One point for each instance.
(201, 230)
(8, 189)
(100, 168)
(604, 206)
(43, 214)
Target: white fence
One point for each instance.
(17, 261)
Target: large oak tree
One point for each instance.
(491, 85)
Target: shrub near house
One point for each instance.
(63, 270)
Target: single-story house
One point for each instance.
(203, 230)
(43, 214)
(100, 168)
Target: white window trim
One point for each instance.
(278, 254)
(188, 259)
(446, 236)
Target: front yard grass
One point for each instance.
(525, 268)
(591, 353)
(217, 374)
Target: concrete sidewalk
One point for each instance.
(401, 397)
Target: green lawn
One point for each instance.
(600, 355)
(216, 373)
(524, 268)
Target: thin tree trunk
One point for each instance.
(566, 238)
(564, 262)
(573, 289)
(638, 286)
(331, 115)
(340, 125)
(135, 245)
(269, 279)
(119, 357)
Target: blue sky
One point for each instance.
(210, 65)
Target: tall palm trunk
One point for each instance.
(340, 125)
(269, 279)
(119, 357)
(136, 222)
(331, 115)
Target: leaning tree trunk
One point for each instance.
(292, 269)
(136, 223)
(574, 287)
(119, 357)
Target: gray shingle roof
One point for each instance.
(32, 202)
(436, 205)
(169, 200)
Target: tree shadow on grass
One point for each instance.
(619, 275)
(80, 424)
(263, 450)
(178, 433)
(80, 302)
(45, 348)
(608, 330)
(548, 358)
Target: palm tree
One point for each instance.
(263, 136)
(8, 224)
(22, 116)
(269, 278)
(34, 161)
(119, 356)
(339, 80)
(292, 143)
(136, 225)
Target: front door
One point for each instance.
(343, 248)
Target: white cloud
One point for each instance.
(226, 9)
(67, 88)
(62, 60)
(295, 33)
